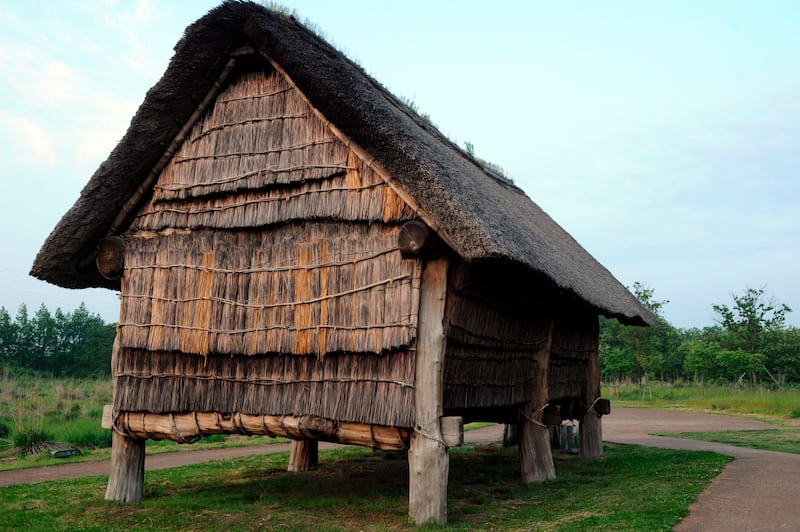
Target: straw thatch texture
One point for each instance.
(297, 289)
(282, 273)
(574, 343)
(261, 156)
(491, 346)
(359, 388)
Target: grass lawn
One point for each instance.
(774, 405)
(631, 488)
(780, 440)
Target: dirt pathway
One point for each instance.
(760, 490)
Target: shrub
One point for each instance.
(5, 430)
(32, 441)
(97, 439)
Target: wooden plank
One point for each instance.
(108, 417)
(427, 457)
(452, 428)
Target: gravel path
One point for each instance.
(760, 490)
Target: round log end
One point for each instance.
(111, 257)
(412, 237)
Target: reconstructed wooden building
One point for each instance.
(298, 254)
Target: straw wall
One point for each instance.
(491, 345)
(574, 343)
(263, 275)
(360, 388)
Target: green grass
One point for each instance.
(631, 488)
(776, 404)
(780, 440)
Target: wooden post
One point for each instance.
(535, 456)
(303, 455)
(427, 456)
(126, 481)
(510, 432)
(590, 428)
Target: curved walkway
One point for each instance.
(760, 490)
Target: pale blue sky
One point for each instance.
(664, 136)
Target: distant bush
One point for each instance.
(32, 441)
(96, 439)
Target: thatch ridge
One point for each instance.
(482, 216)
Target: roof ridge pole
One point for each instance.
(428, 461)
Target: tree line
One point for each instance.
(72, 344)
(750, 343)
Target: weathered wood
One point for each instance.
(427, 457)
(590, 427)
(510, 432)
(107, 421)
(187, 427)
(126, 481)
(303, 455)
(452, 428)
(535, 456)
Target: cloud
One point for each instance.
(34, 144)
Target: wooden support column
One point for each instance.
(427, 456)
(535, 456)
(126, 479)
(590, 428)
(303, 455)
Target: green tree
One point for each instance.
(752, 315)
(782, 349)
(635, 352)
(700, 359)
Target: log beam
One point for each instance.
(185, 428)
(427, 457)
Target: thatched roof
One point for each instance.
(484, 217)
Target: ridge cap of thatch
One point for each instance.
(484, 216)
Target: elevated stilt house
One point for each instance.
(298, 254)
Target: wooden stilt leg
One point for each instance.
(303, 455)
(535, 456)
(591, 429)
(428, 461)
(126, 481)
